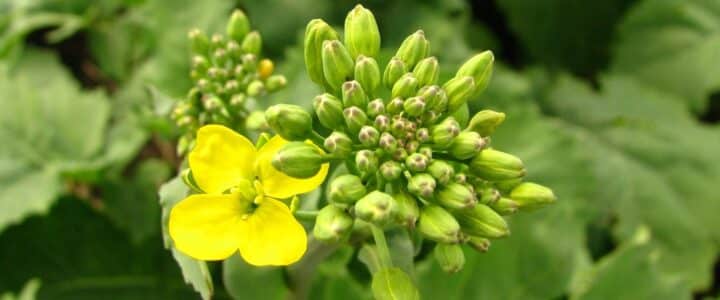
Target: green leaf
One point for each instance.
(393, 284)
(672, 45)
(195, 272)
(243, 281)
(28, 292)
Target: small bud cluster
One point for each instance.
(228, 77)
(411, 162)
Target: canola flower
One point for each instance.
(241, 207)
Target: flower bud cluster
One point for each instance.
(229, 76)
(411, 162)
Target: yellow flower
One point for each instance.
(240, 209)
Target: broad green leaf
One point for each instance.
(393, 284)
(672, 45)
(243, 281)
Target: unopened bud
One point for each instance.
(316, 32)
(367, 72)
(414, 106)
(445, 132)
(414, 48)
(393, 71)
(442, 171)
(353, 94)
(391, 170)
(298, 159)
(252, 43)
(504, 206)
(485, 121)
(488, 195)
(382, 123)
(238, 26)
(437, 224)
(456, 196)
(332, 224)
(480, 244)
(427, 71)
(355, 119)
(375, 108)
(366, 162)
(291, 122)
(482, 221)
(362, 36)
(459, 90)
(505, 186)
(417, 162)
(422, 135)
(430, 95)
(466, 145)
(494, 165)
(256, 121)
(530, 195)
(200, 63)
(479, 67)
(407, 211)
(329, 110)
(217, 41)
(199, 43)
(388, 142)
(376, 207)
(275, 82)
(250, 62)
(368, 136)
(338, 65)
(422, 185)
(405, 87)
(339, 144)
(396, 106)
(220, 57)
(450, 257)
(346, 189)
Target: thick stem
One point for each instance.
(382, 246)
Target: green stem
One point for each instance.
(382, 247)
(306, 215)
(317, 138)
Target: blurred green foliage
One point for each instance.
(610, 103)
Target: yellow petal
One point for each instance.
(221, 158)
(275, 183)
(208, 227)
(274, 237)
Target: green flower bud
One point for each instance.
(396, 106)
(234, 51)
(275, 82)
(250, 63)
(291, 122)
(466, 145)
(367, 72)
(423, 135)
(445, 132)
(256, 88)
(368, 136)
(417, 162)
(479, 67)
(362, 36)
(405, 87)
(530, 195)
(252, 43)
(238, 26)
(339, 144)
(412, 146)
(329, 110)
(431, 95)
(494, 165)
(256, 121)
(488, 195)
(216, 41)
(427, 71)
(485, 121)
(399, 154)
(366, 162)
(346, 189)
(199, 43)
(482, 221)
(414, 106)
(422, 185)
(355, 119)
(376, 207)
(414, 48)
(221, 57)
(480, 244)
(375, 108)
(407, 211)
(442, 171)
(450, 257)
(459, 90)
(393, 71)
(316, 32)
(382, 123)
(332, 224)
(504, 206)
(353, 94)
(338, 65)
(437, 224)
(456, 196)
(388, 142)
(298, 159)
(200, 63)
(391, 170)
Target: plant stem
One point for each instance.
(306, 215)
(382, 247)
